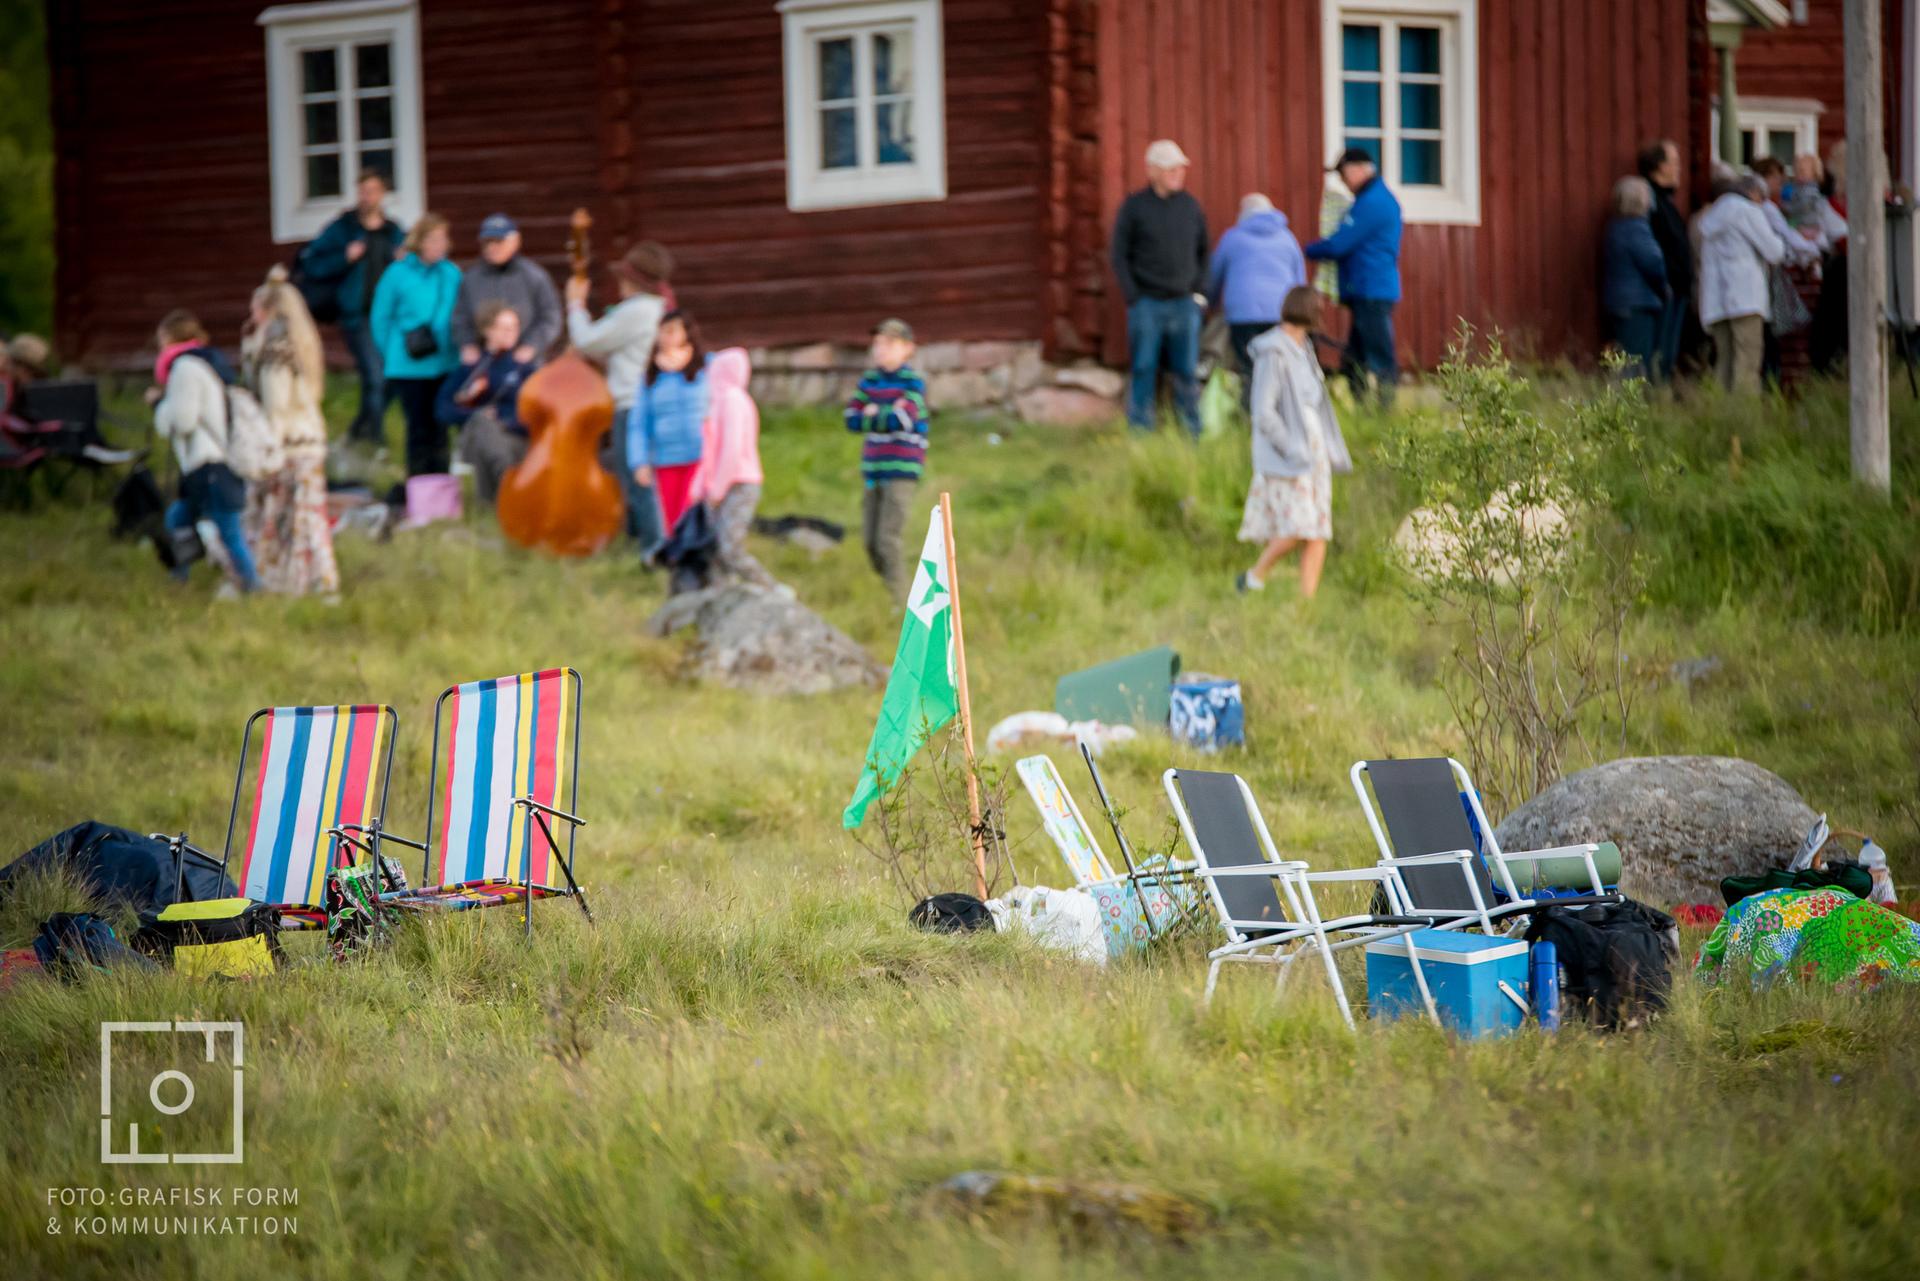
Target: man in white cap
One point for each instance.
(1160, 259)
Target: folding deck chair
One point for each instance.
(513, 755)
(1425, 803)
(320, 767)
(1266, 904)
(1135, 905)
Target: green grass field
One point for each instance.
(753, 1067)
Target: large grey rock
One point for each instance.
(1681, 822)
(764, 641)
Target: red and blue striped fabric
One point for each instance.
(506, 738)
(320, 767)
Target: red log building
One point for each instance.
(816, 164)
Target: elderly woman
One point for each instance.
(1633, 276)
(1297, 447)
(1736, 249)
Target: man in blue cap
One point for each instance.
(506, 276)
(1367, 249)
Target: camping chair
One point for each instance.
(319, 767)
(1266, 904)
(65, 417)
(1135, 905)
(513, 755)
(1424, 806)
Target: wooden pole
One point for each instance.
(966, 703)
(1866, 249)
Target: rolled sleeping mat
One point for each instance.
(1568, 873)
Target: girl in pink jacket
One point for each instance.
(730, 477)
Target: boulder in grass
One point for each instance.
(1681, 822)
(764, 641)
(1084, 1210)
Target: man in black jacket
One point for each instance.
(1160, 259)
(1660, 166)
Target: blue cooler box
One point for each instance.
(1464, 973)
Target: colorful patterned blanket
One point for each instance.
(1826, 934)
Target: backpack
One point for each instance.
(1616, 958)
(321, 296)
(71, 944)
(253, 446)
(223, 937)
(951, 914)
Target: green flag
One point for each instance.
(922, 692)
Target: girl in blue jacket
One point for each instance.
(411, 321)
(664, 425)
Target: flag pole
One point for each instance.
(966, 703)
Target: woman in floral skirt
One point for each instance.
(1297, 447)
(283, 363)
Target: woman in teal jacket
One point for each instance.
(411, 319)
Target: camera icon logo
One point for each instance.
(192, 1086)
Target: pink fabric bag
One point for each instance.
(432, 497)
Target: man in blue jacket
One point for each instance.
(339, 270)
(1367, 250)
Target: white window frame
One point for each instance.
(1770, 115)
(804, 24)
(1457, 200)
(290, 28)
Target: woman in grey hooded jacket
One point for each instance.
(1297, 447)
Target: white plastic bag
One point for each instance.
(1066, 920)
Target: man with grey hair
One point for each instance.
(1634, 288)
(1736, 249)
(1159, 254)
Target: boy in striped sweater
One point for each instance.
(889, 410)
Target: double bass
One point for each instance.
(559, 498)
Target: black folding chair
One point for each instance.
(64, 417)
(1421, 826)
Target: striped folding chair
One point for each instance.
(512, 760)
(320, 768)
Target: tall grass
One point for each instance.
(752, 1067)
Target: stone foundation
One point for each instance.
(1005, 377)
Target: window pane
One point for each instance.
(1362, 99)
(323, 176)
(892, 62)
(323, 123)
(893, 128)
(1419, 106)
(1369, 145)
(372, 66)
(376, 119)
(1746, 146)
(380, 160)
(1420, 51)
(1420, 162)
(1780, 146)
(838, 149)
(1360, 48)
(319, 71)
(836, 70)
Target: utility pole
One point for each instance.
(1866, 249)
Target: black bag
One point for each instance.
(321, 296)
(179, 548)
(138, 505)
(1617, 959)
(218, 938)
(421, 342)
(1839, 874)
(689, 551)
(951, 914)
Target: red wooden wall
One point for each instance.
(1568, 91)
(1809, 61)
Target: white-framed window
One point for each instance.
(1779, 127)
(343, 96)
(866, 102)
(1402, 81)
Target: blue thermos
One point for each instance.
(1545, 959)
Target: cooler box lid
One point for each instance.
(1450, 947)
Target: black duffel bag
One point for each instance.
(1616, 958)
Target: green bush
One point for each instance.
(26, 171)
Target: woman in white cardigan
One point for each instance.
(1737, 248)
(283, 363)
(189, 399)
(1297, 447)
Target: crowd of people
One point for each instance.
(1728, 275)
(455, 348)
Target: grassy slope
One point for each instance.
(754, 1068)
